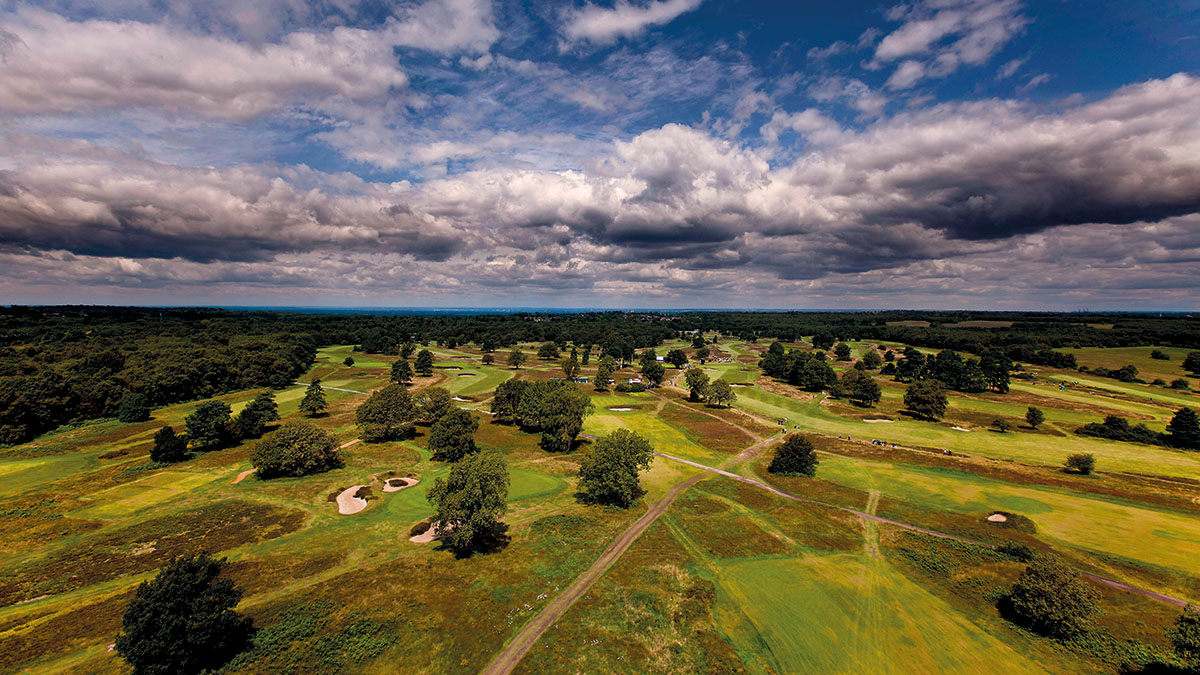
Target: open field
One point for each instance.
(730, 577)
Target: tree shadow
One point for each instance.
(487, 542)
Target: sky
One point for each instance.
(974, 154)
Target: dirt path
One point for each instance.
(1153, 595)
(243, 476)
(515, 650)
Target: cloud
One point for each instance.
(954, 198)
(604, 25)
(937, 36)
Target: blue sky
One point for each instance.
(674, 153)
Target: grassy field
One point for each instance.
(730, 578)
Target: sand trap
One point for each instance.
(428, 536)
(879, 421)
(348, 504)
(740, 384)
(398, 484)
(466, 374)
(451, 367)
(459, 398)
(620, 409)
(959, 429)
(998, 518)
(243, 475)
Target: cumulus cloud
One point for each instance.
(605, 25)
(929, 197)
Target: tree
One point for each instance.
(654, 372)
(676, 357)
(561, 417)
(209, 424)
(1191, 362)
(698, 341)
(872, 359)
(548, 351)
(401, 372)
(647, 356)
(133, 408)
(815, 375)
(1083, 463)
(348, 361)
(168, 447)
(702, 354)
(889, 356)
(570, 367)
(1183, 431)
(433, 403)
(796, 457)
(996, 366)
(865, 390)
(1050, 598)
(823, 340)
(1180, 383)
(296, 449)
(1000, 424)
(253, 419)
(424, 363)
(314, 402)
(470, 501)
(927, 399)
(722, 394)
(604, 372)
(1034, 416)
(1184, 636)
(488, 359)
(407, 350)
(842, 351)
(386, 415)
(697, 384)
(515, 358)
(1159, 355)
(911, 366)
(608, 472)
(453, 436)
(182, 621)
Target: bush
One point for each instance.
(1159, 355)
(168, 447)
(348, 361)
(1184, 636)
(1083, 463)
(182, 621)
(1050, 598)
(296, 449)
(1119, 429)
(1017, 551)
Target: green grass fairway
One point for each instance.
(850, 613)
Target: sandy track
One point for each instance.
(243, 476)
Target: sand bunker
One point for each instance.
(398, 484)
(997, 518)
(740, 384)
(960, 429)
(429, 535)
(466, 374)
(243, 475)
(348, 504)
(879, 421)
(459, 398)
(450, 367)
(620, 409)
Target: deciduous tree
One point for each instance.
(608, 472)
(697, 384)
(424, 363)
(470, 501)
(133, 408)
(296, 449)
(401, 372)
(168, 446)
(182, 621)
(927, 399)
(721, 393)
(209, 425)
(515, 358)
(1183, 431)
(795, 457)
(453, 436)
(1034, 416)
(1050, 598)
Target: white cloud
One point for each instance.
(605, 25)
(941, 35)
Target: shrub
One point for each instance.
(1083, 463)
(1184, 636)
(168, 447)
(1017, 551)
(1050, 598)
(296, 449)
(348, 361)
(1119, 429)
